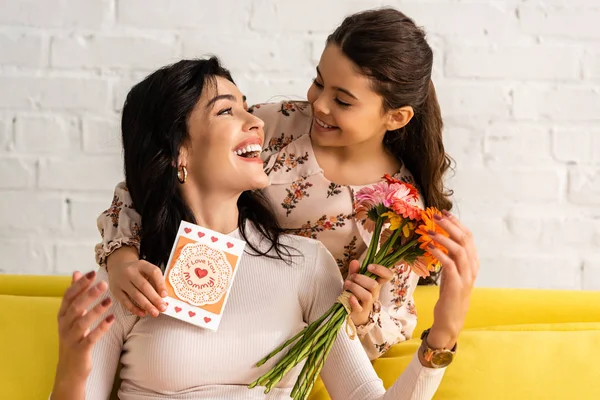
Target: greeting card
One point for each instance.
(199, 275)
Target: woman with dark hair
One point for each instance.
(191, 153)
(372, 110)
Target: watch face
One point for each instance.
(441, 358)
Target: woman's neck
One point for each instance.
(215, 211)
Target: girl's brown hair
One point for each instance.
(391, 50)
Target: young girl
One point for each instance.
(184, 129)
(372, 110)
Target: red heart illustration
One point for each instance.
(200, 234)
(206, 319)
(166, 304)
(200, 273)
(187, 230)
(230, 245)
(177, 309)
(191, 313)
(214, 239)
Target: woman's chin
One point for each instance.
(259, 182)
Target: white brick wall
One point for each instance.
(518, 80)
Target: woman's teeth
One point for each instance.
(252, 150)
(323, 124)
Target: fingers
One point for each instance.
(364, 296)
(154, 302)
(155, 275)
(81, 303)
(353, 267)
(366, 283)
(95, 335)
(140, 299)
(461, 247)
(384, 274)
(80, 283)
(456, 222)
(355, 305)
(457, 231)
(76, 276)
(123, 298)
(82, 324)
(448, 265)
(457, 252)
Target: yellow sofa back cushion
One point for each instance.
(520, 344)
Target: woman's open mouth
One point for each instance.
(249, 153)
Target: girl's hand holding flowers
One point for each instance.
(365, 290)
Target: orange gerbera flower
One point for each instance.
(428, 224)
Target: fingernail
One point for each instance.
(105, 302)
(431, 233)
(90, 274)
(430, 246)
(162, 308)
(110, 318)
(437, 217)
(163, 293)
(371, 267)
(154, 313)
(446, 213)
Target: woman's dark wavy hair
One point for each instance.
(388, 47)
(154, 128)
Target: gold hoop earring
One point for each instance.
(182, 175)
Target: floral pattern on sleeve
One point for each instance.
(296, 192)
(288, 161)
(277, 143)
(323, 224)
(288, 107)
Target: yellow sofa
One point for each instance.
(517, 344)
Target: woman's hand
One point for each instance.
(129, 279)
(76, 340)
(365, 290)
(459, 271)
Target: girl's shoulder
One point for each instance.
(284, 122)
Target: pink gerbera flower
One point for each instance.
(371, 196)
(404, 201)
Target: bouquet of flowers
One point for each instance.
(390, 210)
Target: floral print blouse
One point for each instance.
(306, 204)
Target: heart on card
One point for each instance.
(214, 239)
(187, 230)
(191, 314)
(207, 320)
(229, 245)
(177, 309)
(200, 234)
(200, 273)
(166, 304)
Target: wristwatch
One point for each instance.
(435, 358)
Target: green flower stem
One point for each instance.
(302, 333)
(304, 347)
(304, 374)
(319, 366)
(385, 249)
(393, 258)
(372, 246)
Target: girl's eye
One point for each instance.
(316, 83)
(225, 111)
(341, 103)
